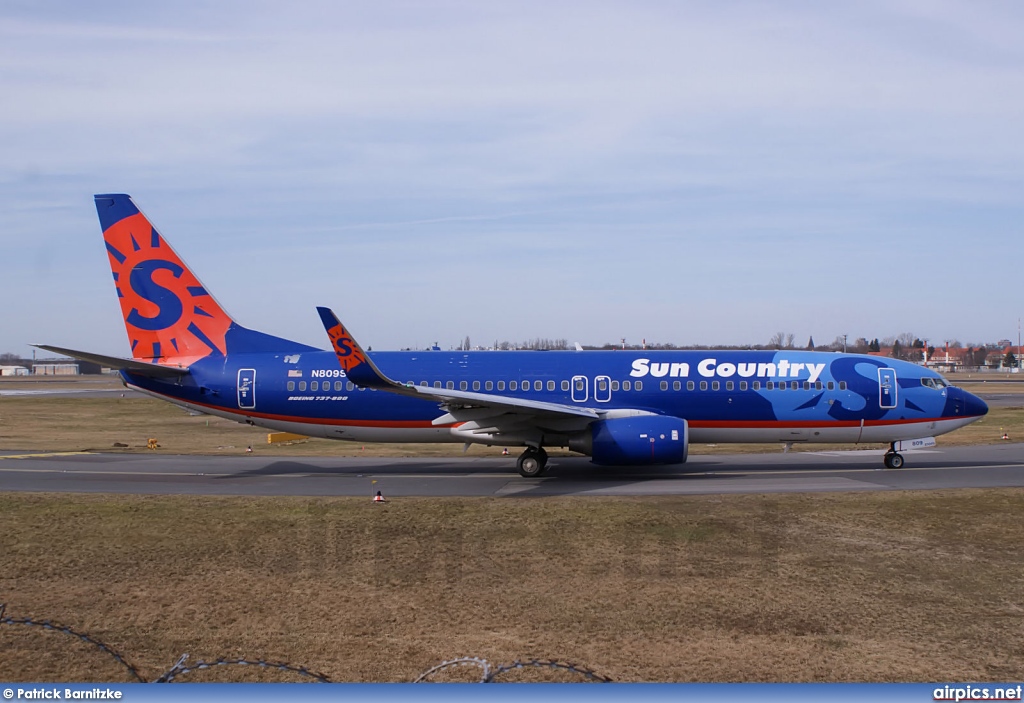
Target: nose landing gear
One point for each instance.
(532, 462)
(893, 459)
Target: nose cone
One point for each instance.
(964, 404)
(973, 405)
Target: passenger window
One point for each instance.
(314, 385)
(817, 385)
(349, 386)
(794, 385)
(831, 385)
(513, 385)
(689, 385)
(476, 385)
(703, 385)
(639, 385)
(757, 385)
(729, 385)
(615, 385)
(626, 385)
(602, 385)
(769, 385)
(488, 385)
(715, 385)
(291, 385)
(302, 385)
(450, 385)
(664, 385)
(565, 385)
(677, 385)
(743, 385)
(463, 386)
(579, 384)
(422, 383)
(538, 385)
(842, 385)
(437, 384)
(338, 385)
(551, 385)
(501, 385)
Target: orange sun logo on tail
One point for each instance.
(169, 315)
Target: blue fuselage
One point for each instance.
(725, 396)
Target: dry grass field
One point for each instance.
(900, 586)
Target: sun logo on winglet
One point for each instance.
(169, 315)
(348, 352)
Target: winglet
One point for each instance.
(357, 365)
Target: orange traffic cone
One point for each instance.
(379, 498)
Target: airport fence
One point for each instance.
(488, 672)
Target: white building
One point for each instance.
(13, 371)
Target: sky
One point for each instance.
(680, 172)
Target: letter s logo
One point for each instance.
(167, 302)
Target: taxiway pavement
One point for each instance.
(998, 465)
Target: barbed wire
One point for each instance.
(179, 668)
(588, 674)
(57, 627)
(489, 673)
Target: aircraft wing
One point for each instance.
(461, 405)
(141, 368)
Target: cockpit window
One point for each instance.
(936, 383)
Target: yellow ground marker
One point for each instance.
(275, 437)
(44, 455)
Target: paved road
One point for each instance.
(958, 467)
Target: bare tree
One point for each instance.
(907, 339)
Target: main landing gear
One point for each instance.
(532, 462)
(893, 459)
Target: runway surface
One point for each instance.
(956, 467)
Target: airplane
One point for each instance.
(620, 408)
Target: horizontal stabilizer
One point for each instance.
(141, 368)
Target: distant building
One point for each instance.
(13, 371)
(55, 368)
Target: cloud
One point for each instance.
(673, 156)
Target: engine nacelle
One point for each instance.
(634, 441)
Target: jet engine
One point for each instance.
(635, 441)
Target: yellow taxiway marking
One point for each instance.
(109, 473)
(44, 455)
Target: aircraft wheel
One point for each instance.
(531, 463)
(543, 456)
(893, 461)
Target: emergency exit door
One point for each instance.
(247, 389)
(887, 388)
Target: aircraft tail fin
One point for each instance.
(170, 316)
